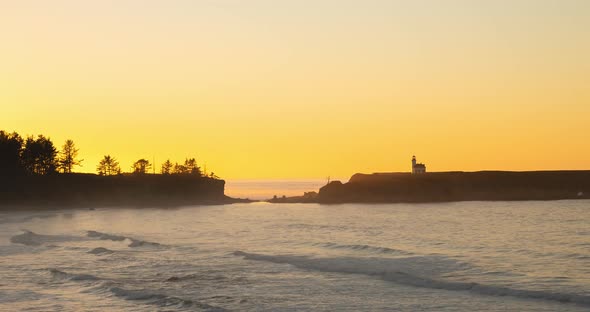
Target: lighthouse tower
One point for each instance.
(417, 168)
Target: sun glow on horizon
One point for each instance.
(300, 89)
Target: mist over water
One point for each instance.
(468, 256)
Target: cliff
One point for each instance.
(100, 191)
(458, 186)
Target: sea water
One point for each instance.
(266, 189)
(467, 256)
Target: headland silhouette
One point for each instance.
(35, 174)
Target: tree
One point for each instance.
(141, 166)
(167, 167)
(68, 157)
(11, 145)
(39, 156)
(191, 166)
(179, 169)
(108, 166)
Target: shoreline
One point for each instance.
(168, 191)
(296, 200)
(48, 206)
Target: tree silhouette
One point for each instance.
(11, 145)
(191, 166)
(167, 167)
(108, 166)
(141, 166)
(68, 157)
(179, 169)
(39, 155)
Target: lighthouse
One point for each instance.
(416, 167)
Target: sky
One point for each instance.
(302, 88)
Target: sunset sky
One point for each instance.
(303, 88)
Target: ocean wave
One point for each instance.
(106, 236)
(17, 249)
(119, 238)
(30, 238)
(16, 295)
(305, 226)
(367, 248)
(207, 277)
(578, 256)
(23, 219)
(146, 296)
(140, 243)
(550, 254)
(407, 271)
(100, 251)
(200, 277)
(158, 299)
(57, 274)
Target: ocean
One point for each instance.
(265, 189)
(464, 256)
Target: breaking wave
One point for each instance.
(111, 288)
(366, 248)
(160, 299)
(119, 238)
(153, 298)
(30, 238)
(409, 271)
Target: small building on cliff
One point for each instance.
(417, 168)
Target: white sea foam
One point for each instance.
(119, 238)
(30, 238)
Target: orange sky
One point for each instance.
(303, 89)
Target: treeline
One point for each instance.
(39, 156)
(110, 166)
(35, 155)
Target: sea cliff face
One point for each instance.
(121, 190)
(458, 186)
